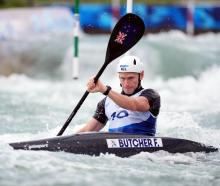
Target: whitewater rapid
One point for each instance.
(34, 104)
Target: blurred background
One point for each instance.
(45, 44)
(36, 36)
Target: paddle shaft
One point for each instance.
(81, 101)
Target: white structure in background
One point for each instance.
(25, 22)
(129, 10)
(129, 6)
(190, 17)
(115, 12)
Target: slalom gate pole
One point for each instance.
(129, 9)
(75, 59)
(190, 17)
(129, 6)
(115, 12)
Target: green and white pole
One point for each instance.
(75, 60)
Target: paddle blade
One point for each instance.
(126, 33)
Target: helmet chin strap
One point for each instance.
(139, 88)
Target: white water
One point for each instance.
(184, 70)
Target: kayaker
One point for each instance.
(134, 110)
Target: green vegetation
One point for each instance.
(13, 3)
(26, 3)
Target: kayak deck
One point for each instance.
(120, 144)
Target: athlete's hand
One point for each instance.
(98, 87)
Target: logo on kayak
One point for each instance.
(120, 37)
(39, 146)
(134, 143)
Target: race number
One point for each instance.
(119, 115)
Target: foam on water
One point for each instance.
(176, 54)
(33, 108)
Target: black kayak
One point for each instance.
(120, 144)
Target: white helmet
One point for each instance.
(130, 64)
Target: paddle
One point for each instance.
(126, 33)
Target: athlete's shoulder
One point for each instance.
(150, 93)
(154, 100)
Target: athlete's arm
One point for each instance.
(98, 121)
(91, 125)
(140, 103)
